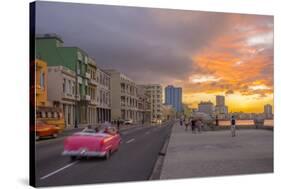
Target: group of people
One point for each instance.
(197, 124)
(105, 127)
(194, 123)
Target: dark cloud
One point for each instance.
(149, 45)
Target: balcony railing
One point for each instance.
(87, 97)
(93, 81)
(69, 96)
(88, 75)
(93, 101)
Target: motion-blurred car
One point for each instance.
(128, 122)
(45, 130)
(92, 143)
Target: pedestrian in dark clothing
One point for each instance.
(233, 126)
(181, 122)
(118, 125)
(217, 121)
(193, 125)
(199, 125)
(186, 123)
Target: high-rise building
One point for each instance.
(144, 105)
(61, 91)
(268, 111)
(154, 91)
(220, 100)
(124, 99)
(221, 109)
(206, 107)
(173, 96)
(169, 112)
(103, 96)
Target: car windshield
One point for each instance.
(89, 131)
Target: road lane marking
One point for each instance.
(131, 140)
(147, 132)
(55, 172)
(132, 130)
(125, 132)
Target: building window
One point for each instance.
(80, 89)
(49, 115)
(73, 88)
(79, 67)
(69, 87)
(55, 115)
(42, 80)
(63, 85)
(43, 114)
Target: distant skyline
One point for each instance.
(205, 53)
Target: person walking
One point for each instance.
(193, 126)
(186, 123)
(118, 125)
(199, 124)
(233, 126)
(181, 121)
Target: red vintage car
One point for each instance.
(92, 143)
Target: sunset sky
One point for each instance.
(205, 53)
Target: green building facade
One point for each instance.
(50, 49)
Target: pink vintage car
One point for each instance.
(92, 143)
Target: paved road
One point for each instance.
(133, 162)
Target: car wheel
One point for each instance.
(72, 158)
(118, 145)
(107, 155)
(55, 135)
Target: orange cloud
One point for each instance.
(243, 60)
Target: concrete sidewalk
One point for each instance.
(216, 153)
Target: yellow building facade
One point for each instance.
(41, 82)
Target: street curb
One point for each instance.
(156, 172)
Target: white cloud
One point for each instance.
(263, 39)
(203, 78)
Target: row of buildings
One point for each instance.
(86, 93)
(221, 110)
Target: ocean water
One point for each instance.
(268, 122)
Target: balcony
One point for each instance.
(39, 89)
(79, 79)
(78, 72)
(88, 75)
(87, 97)
(77, 97)
(93, 101)
(68, 96)
(93, 81)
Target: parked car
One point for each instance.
(128, 121)
(92, 143)
(43, 129)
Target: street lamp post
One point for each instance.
(76, 80)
